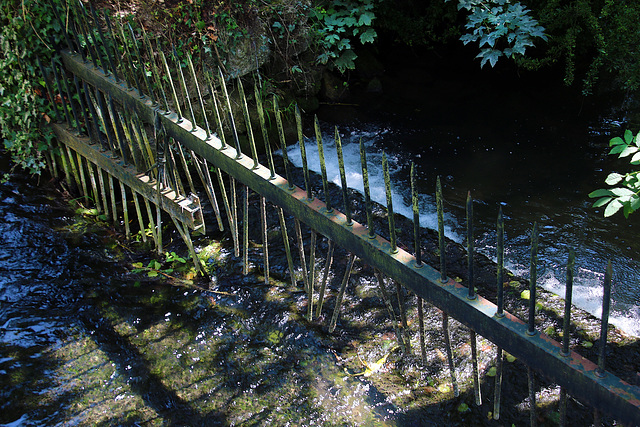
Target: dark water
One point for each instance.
(521, 142)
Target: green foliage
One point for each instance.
(341, 25)
(626, 194)
(155, 267)
(500, 27)
(28, 29)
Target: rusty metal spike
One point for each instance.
(474, 363)
(230, 114)
(125, 211)
(287, 247)
(81, 17)
(283, 143)
(139, 215)
(60, 92)
(245, 232)
(423, 348)
(303, 153)
(390, 216)
(176, 102)
(216, 110)
(207, 128)
(111, 44)
(343, 178)
(323, 167)
(73, 107)
(247, 119)
(56, 14)
(154, 68)
(265, 134)
(129, 62)
(96, 23)
(567, 304)
(265, 238)
(312, 274)
(83, 107)
(392, 313)
(149, 93)
(367, 193)
(119, 132)
(303, 262)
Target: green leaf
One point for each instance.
(616, 141)
(612, 208)
(628, 136)
(628, 150)
(622, 192)
(368, 36)
(614, 178)
(600, 193)
(601, 202)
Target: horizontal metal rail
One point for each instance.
(185, 209)
(573, 372)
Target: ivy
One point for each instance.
(28, 29)
(500, 27)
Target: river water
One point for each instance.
(523, 143)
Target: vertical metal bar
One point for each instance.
(343, 286)
(125, 211)
(216, 110)
(470, 248)
(154, 67)
(49, 88)
(94, 117)
(416, 217)
(391, 310)
(474, 362)
(265, 238)
(499, 312)
(142, 67)
(83, 108)
(82, 177)
(184, 233)
(112, 44)
(205, 177)
(152, 223)
(60, 92)
(312, 273)
(227, 208)
(441, 238)
(447, 342)
(72, 24)
(387, 187)
(247, 120)
(303, 153)
(143, 229)
(185, 91)
(400, 295)
(129, 56)
(159, 231)
(73, 108)
(230, 114)
(323, 167)
(283, 143)
(81, 17)
(533, 279)
(114, 210)
(119, 133)
(343, 178)
(207, 128)
(265, 135)
(74, 169)
(567, 305)
(103, 191)
(106, 123)
(94, 185)
(423, 349)
(367, 193)
(303, 261)
(56, 14)
(66, 167)
(245, 232)
(533, 419)
(325, 276)
(287, 247)
(96, 23)
(234, 212)
(176, 102)
(604, 325)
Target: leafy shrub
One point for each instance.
(341, 25)
(626, 195)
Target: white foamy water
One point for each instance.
(401, 194)
(587, 286)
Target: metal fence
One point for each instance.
(122, 102)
